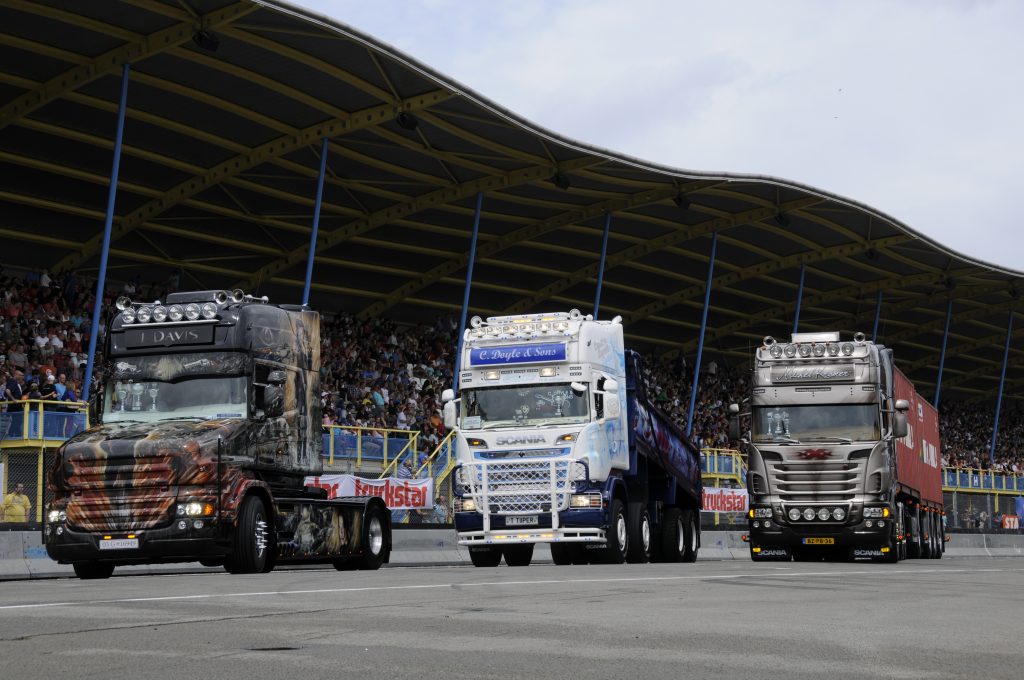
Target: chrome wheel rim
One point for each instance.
(680, 536)
(620, 531)
(375, 534)
(645, 533)
(260, 536)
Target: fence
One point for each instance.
(968, 480)
(379, 447)
(36, 422)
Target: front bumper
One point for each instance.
(163, 544)
(574, 526)
(855, 535)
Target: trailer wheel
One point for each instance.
(691, 532)
(518, 555)
(485, 555)
(249, 541)
(638, 528)
(937, 538)
(88, 571)
(561, 554)
(376, 543)
(673, 535)
(617, 536)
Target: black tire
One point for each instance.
(937, 538)
(673, 535)
(376, 539)
(485, 555)
(638, 529)
(519, 555)
(346, 564)
(579, 554)
(926, 537)
(891, 557)
(250, 549)
(212, 561)
(617, 535)
(88, 571)
(691, 534)
(561, 553)
(914, 537)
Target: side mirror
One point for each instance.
(734, 422)
(611, 386)
(578, 388)
(734, 409)
(273, 401)
(276, 377)
(449, 410)
(899, 422)
(902, 405)
(447, 396)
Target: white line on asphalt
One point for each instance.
(629, 579)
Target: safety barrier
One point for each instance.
(360, 445)
(722, 464)
(981, 481)
(40, 423)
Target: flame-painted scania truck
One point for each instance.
(209, 423)
(559, 444)
(843, 454)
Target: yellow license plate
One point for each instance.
(820, 541)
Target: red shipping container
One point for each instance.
(918, 455)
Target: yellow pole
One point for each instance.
(24, 431)
(359, 447)
(39, 485)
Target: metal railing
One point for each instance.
(723, 464)
(360, 444)
(973, 480)
(438, 465)
(40, 422)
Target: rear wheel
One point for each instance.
(250, 539)
(518, 555)
(617, 535)
(88, 571)
(376, 542)
(673, 536)
(485, 555)
(691, 533)
(212, 561)
(638, 528)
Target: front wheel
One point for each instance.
(617, 535)
(638, 528)
(376, 539)
(561, 554)
(485, 555)
(250, 539)
(88, 571)
(518, 555)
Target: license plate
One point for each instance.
(521, 521)
(820, 541)
(118, 543)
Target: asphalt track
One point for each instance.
(917, 619)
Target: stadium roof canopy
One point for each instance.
(228, 104)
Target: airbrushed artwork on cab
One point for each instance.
(117, 475)
(307, 530)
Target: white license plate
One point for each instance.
(521, 521)
(118, 543)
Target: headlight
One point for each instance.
(762, 512)
(874, 512)
(192, 311)
(824, 514)
(144, 313)
(175, 313)
(160, 313)
(468, 505)
(476, 442)
(585, 500)
(56, 516)
(776, 352)
(880, 523)
(794, 514)
(567, 437)
(128, 315)
(809, 514)
(209, 310)
(195, 509)
(757, 525)
(839, 514)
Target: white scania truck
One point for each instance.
(558, 443)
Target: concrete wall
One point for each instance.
(22, 555)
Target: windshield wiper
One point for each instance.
(783, 438)
(160, 420)
(823, 437)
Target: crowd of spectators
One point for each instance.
(966, 435)
(380, 375)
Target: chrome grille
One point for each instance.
(822, 481)
(521, 487)
(132, 511)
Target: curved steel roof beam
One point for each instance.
(113, 60)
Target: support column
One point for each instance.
(878, 315)
(942, 354)
(604, 255)
(703, 327)
(1002, 383)
(105, 252)
(799, 299)
(316, 221)
(469, 284)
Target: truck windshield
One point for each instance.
(824, 422)
(523, 405)
(151, 388)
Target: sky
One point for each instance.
(914, 107)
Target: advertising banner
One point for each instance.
(398, 494)
(725, 500)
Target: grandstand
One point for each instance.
(435, 202)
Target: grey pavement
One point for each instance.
(727, 619)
